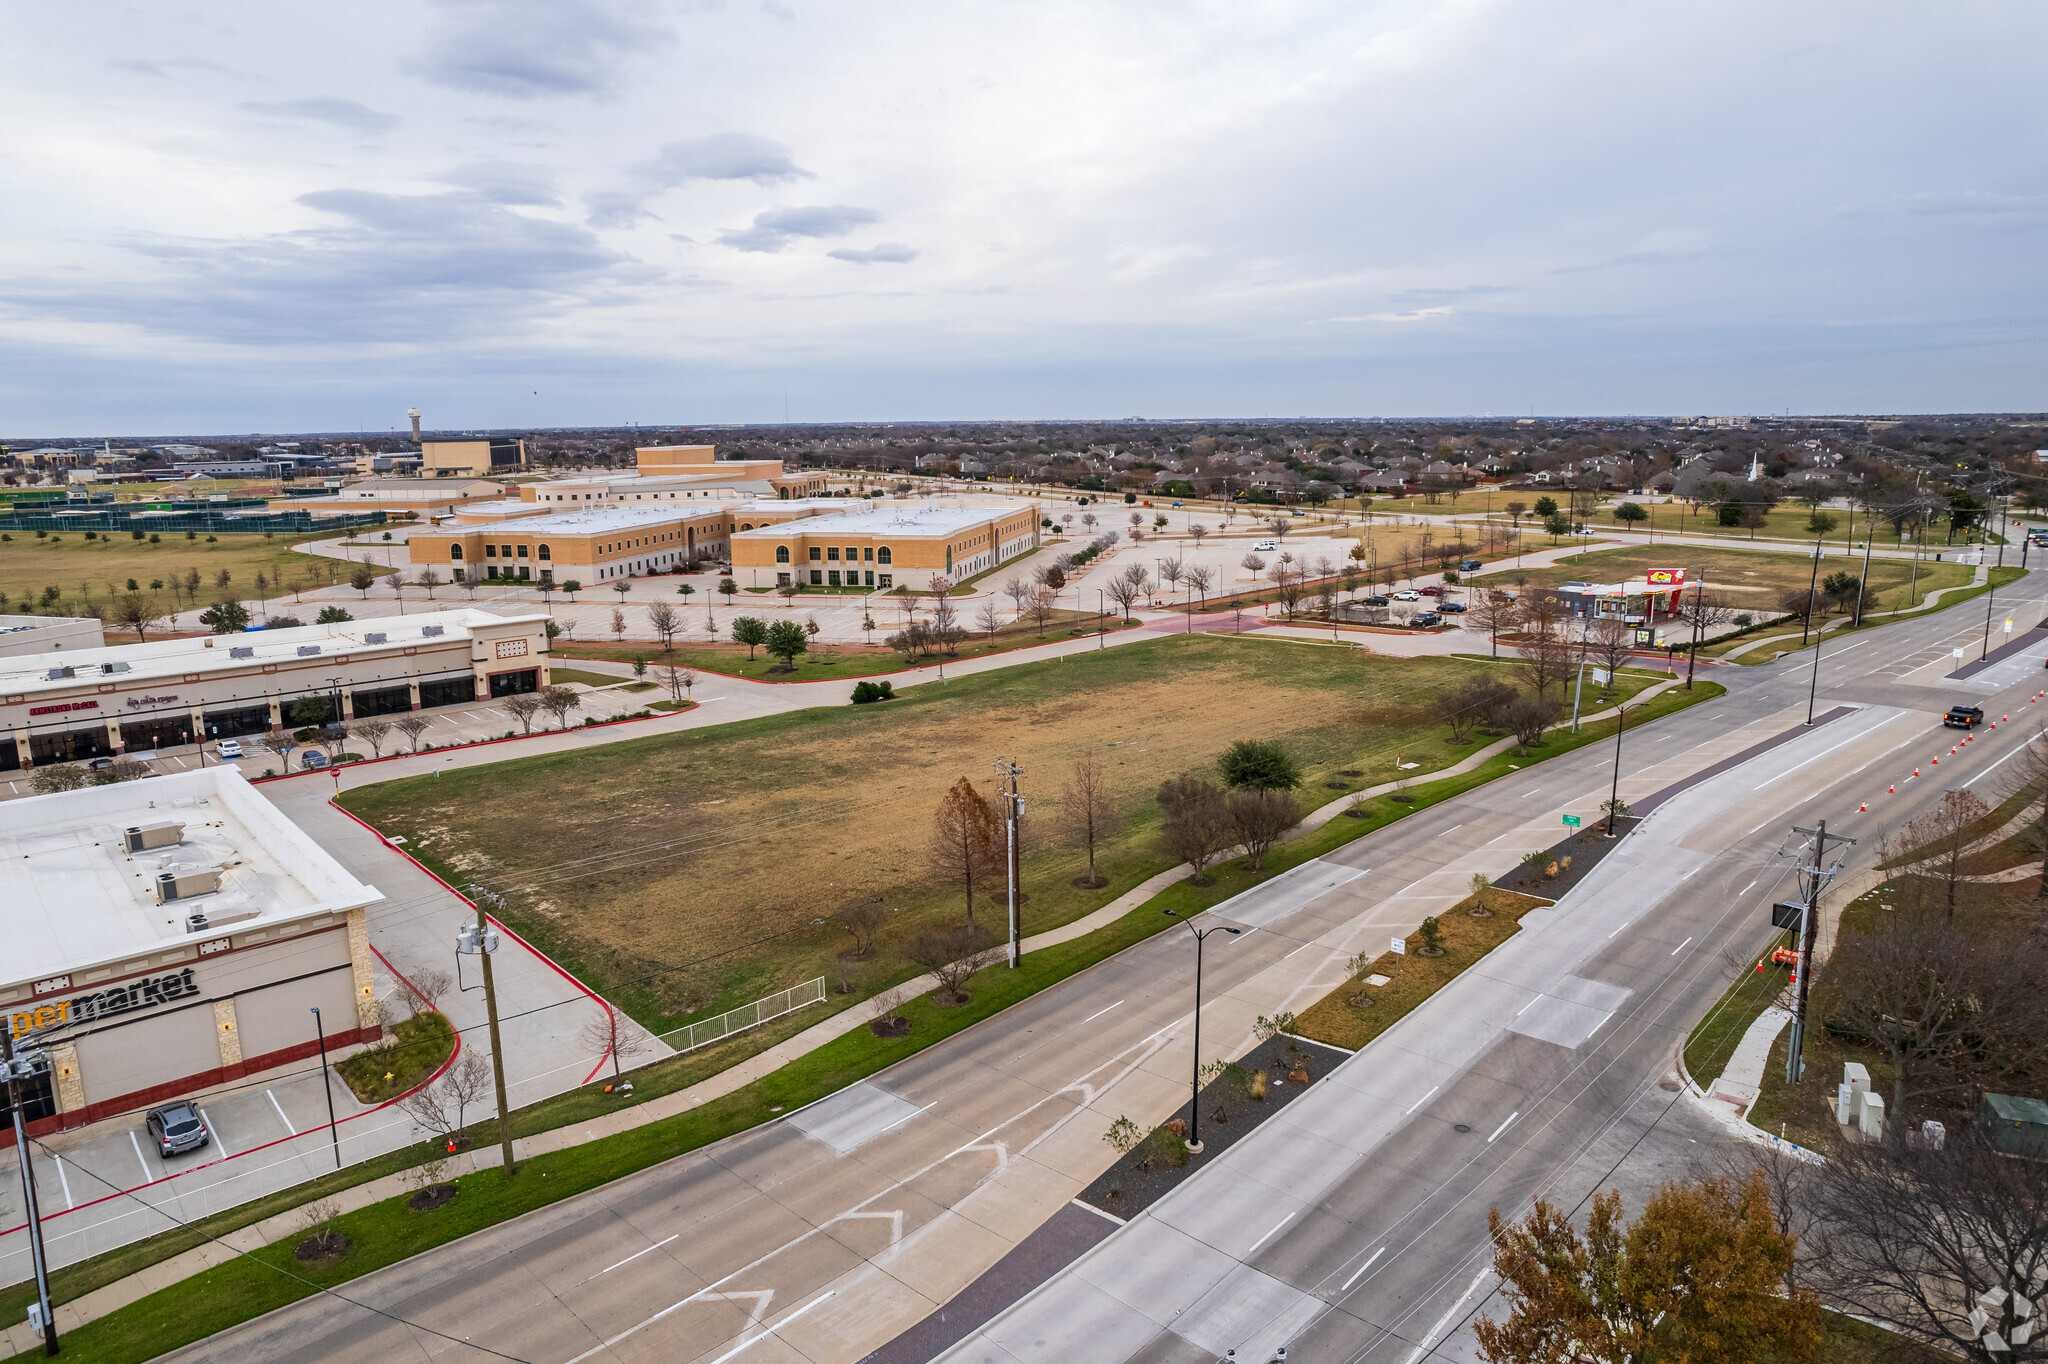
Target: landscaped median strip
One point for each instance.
(155, 1309)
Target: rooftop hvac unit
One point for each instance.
(242, 651)
(200, 921)
(188, 883)
(375, 637)
(164, 833)
(308, 650)
(429, 631)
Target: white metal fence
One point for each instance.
(746, 1016)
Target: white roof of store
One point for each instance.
(900, 519)
(210, 653)
(76, 898)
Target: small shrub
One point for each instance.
(865, 692)
(1431, 935)
(1123, 1136)
(1745, 620)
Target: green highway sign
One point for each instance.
(1571, 821)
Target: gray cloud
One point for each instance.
(505, 182)
(611, 209)
(339, 113)
(886, 253)
(537, 49)
(721, 156)
(778, 227)
(384, 268)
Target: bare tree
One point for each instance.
(608, 1032)
(1290, 586)
(1260, 818)
(861, 923)
(618, 626)
(428, 579)
(412, 727)
(1938, 839)
(1126, 587)
(525, 708)
(1040, 608)
(1196, 532)
(1088, 810)
(953, 956)
(1170, 572)
(558, 700)
(373, 733)
(1018, 591)
(429, 985)
(1947, 1244)
(967, 841)
(988, 619)
(1253, 564)
(442, 1109)
(135, 612)
(1528, 717)
(1199, 577)
(1609, 643)
(665, 620)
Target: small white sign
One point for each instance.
(1400, 947)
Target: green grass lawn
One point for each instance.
(588, 679)
(1766, 645)
(417, 1048)
(94, 572)
(387, 1232)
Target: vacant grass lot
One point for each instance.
(693, 872)
(92, 572)
(1752, 578)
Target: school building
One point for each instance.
(892, 545)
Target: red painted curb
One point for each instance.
(456, 748)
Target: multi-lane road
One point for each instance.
(1352, 1225)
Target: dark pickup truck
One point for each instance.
(1963, 717)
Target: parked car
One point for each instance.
(1452, 608)
(1376, 601)
(1427, 618)
(229, 749)
(1408, 595)
(176, 1128)
(312, 760)
(1963, 717)
(1432, 591)
(1265, 547)
(1469, 565)
(100, 765)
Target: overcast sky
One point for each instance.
(293, 217)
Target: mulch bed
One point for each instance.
(890, 1027)
(322, 1249)
(1125, 1190)
(1585, 848)
(426, 1200)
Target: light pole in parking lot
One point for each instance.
(327, 1083)
(1195, 1097)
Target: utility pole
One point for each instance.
(1990, 591)
(1013, 808)
(1863, 583)
(1614, 794)
(19, 1069)
(482, 941)
(1814, 878)
(327, 1082)
(1812, 588)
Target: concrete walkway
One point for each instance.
(1743, 1079)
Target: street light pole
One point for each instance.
(1013, 805)
(483, 936)
(1195, 1088)
(1614, 793)
(327, 1082)
(14, 1071)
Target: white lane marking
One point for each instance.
(1421, 1101)
(1504, 1126)
(1445, 1319)
(1269, 1235)
(637, 1254)
(1688, 875)
(1748, 888)
(147, 1173)
(1525, 1008)
(1618, 929)
(1303, 948)
(1854, 738)
(1680, 948)
(216, 1133)
(1099, 1013)
(1526, 794)
(1361, 1269)
(280, 1114)
(741, 1347)
(64, 1180)
(1454, 828)
(1994, 767)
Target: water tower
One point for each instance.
(414, 413)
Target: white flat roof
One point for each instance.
(213, 653)
(899, 520)
(76, 898)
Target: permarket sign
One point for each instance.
(146, 993)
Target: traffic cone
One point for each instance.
(1916, 771)
(1891, 790)
(1935, 763)
(1864, 806)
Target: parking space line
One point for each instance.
(280, 1113)
(218, 1140)
(147, 1175)
(1504, 1126)
(63, 1179)
(1361, 1269)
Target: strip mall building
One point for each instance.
(125, 698)
(168, 935)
